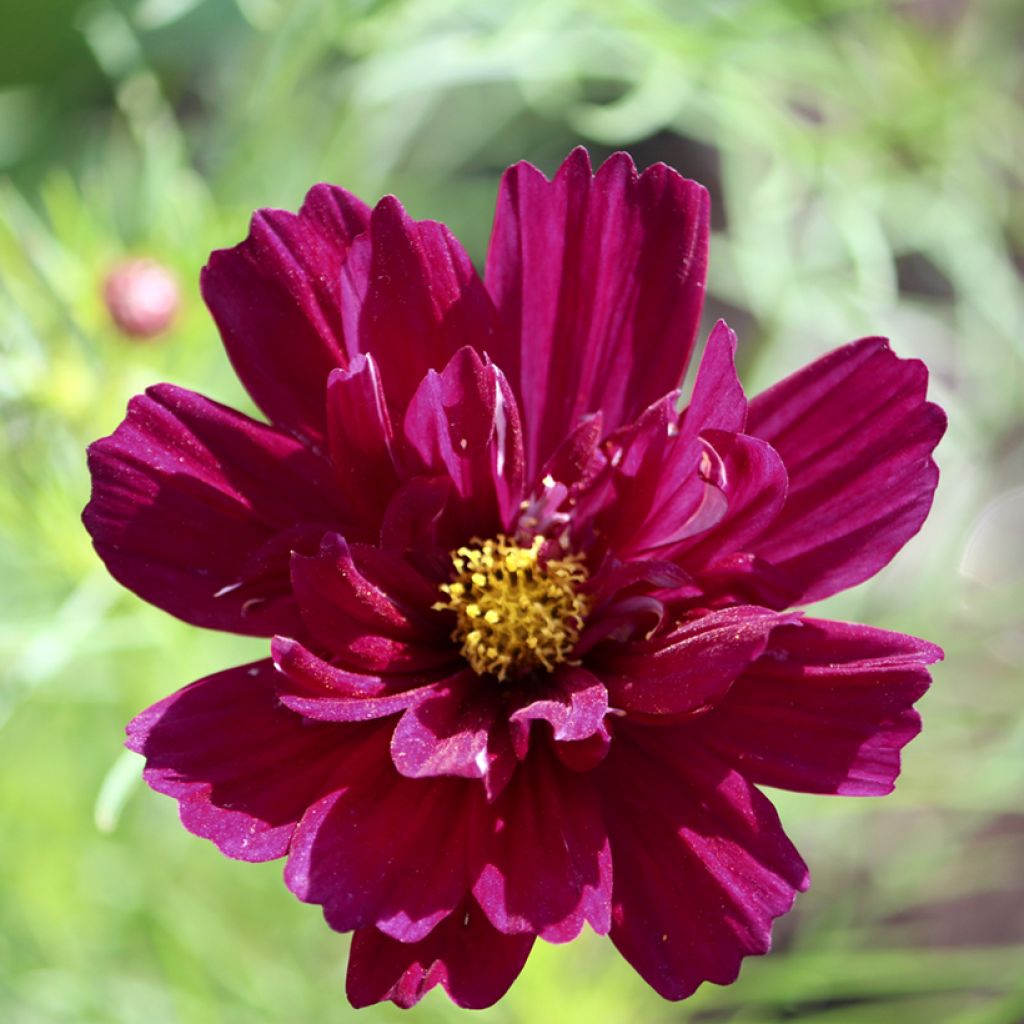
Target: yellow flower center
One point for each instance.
(515, 611)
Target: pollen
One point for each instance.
(516, 611)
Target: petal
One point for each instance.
(613, 577)
(419, 525)
(754, 485)
(702, 865)
(388, 851)
(574, 705)
(276, 298)
(412, 298)
(547, 867)
(243, 768)
(464, 422)
(690, 668)
(473, 961)
(599, 282)
(360, 441)
(718, 401)
(662, 490)
(188, 499)
(369, 608)
(577, 460)
(318, 690)
(446, 732)
(856, 436)
(825, 710)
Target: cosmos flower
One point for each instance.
(533, 640)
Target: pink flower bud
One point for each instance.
(142, 297)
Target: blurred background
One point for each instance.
(864, 161)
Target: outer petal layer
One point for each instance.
(547, 865)
(276, 298)
(825, 710)
(243, 768)
(856, 436)
(702, 865)
(472, 960)
(188, 500)
(387, 851)
(599, 282)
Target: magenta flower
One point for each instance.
(532, 654)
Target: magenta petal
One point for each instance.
(415, 519)
(276, 298)
(856, 435)
(446, 732)
(547, 867)
(825, 710)
(242, 768)
(473, 961)
(599, 282)
(360, 441)
(747, 579)
(664, 483)
(691, 667)
(316, 689)
(702, 865)
(388, 851)
(464, 422)
(574, 705)
(718, 401)
(351, 598)
(412, 298)
(578, 459)
(754, 489)
(614, 576)
(188, 495)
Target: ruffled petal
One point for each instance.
(664, 486)
(447, 732)
(702, 865)
(369, 609)
(473, 961)
(383, 850)
(547, 867)
(690, 668)
(826, 709)
(599, 282)
(189, 500)
(754, 485)
(316, 689)
(856, 436)
(276, 298)
(412, 299)
(242, 768)
(574, 704)
(464, 422)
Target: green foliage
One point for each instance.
(864, 162)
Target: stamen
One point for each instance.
(516, 612)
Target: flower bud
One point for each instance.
(142, 297)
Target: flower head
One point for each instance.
(533, 641)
